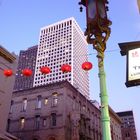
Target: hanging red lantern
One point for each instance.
(87, 66)
(65, 68)
(27, 72)
(8, 72)
(45, 70)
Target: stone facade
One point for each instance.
(7, 61)
(115, 124)
(55, 112)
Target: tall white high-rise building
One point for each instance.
(62, 43)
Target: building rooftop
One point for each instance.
(30, 48)
(125, 113)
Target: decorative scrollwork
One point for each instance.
(98, 33)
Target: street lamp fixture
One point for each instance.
(98, 32)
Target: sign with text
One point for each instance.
(134, 64)
(132, 51)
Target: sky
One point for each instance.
(20, 23)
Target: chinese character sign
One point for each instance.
(134, 64)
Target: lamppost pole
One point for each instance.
(97, 33)
(104, 99)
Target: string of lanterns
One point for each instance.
(46, 70)
(65, 68)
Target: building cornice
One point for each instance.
(8, 56)
(48, 86)
(114, 114)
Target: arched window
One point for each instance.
(52, 138)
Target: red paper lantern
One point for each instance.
(45, 70)
(27, 72)
(87, 66)
(8, 72)
(66, 68)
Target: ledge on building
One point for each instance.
(7, 136)
(7, 55)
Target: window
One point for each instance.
(53, 119)
(11, 107)
(8, 125)
(79, 105)
(24, 104)
(73, 103)
(37, 121)
(88, 112)
(84, 107)
(44, 122)
(38, 106)
(46, 101)
(22, 123)
(54, 99)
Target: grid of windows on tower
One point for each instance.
(54, 50)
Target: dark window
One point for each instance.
(37, 122)
(11, 107)
(53, 119)
(35, 139)
(52, 138)
(8, 125)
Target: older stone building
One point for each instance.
(115, 124)
(128, 125)
(7, 61)
(56, 111)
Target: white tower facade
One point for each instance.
(62, 43)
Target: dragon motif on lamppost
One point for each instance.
(97, 33)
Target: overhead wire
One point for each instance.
(108, 51)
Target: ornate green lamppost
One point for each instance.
(97, 33)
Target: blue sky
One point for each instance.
(21, 20)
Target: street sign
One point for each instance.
(132, 51)
(134, 64)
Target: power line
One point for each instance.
(109, 51)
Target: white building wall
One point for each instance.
(62, 43)
(80, 76)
